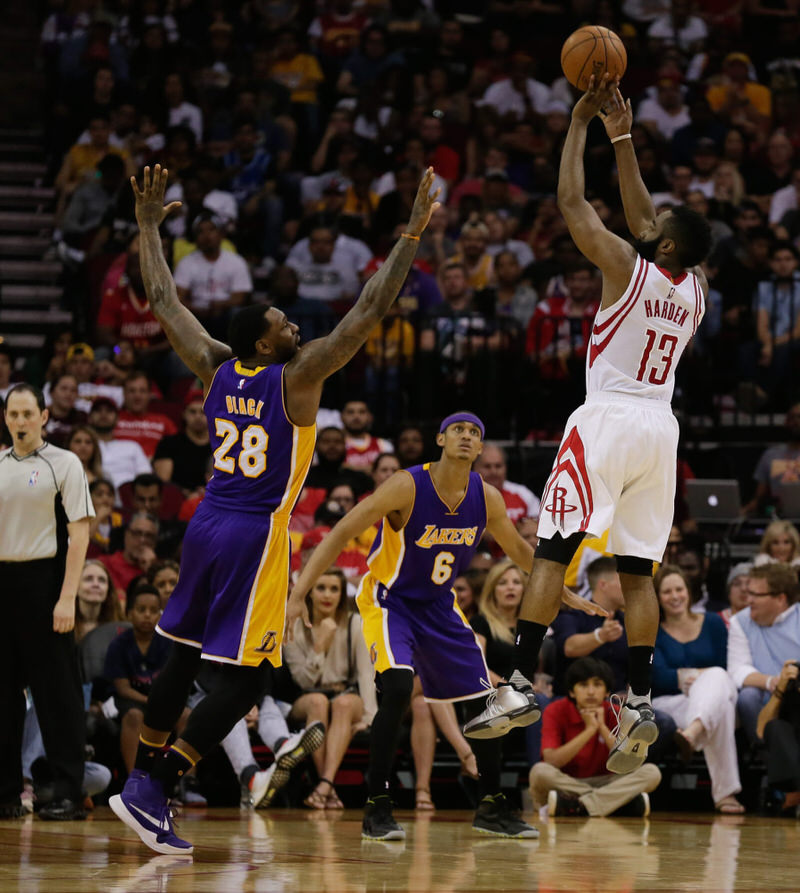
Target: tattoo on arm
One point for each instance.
(323, 357)
(201, 353)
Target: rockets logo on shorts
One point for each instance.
(558, 506)
(34, 478)
(569, 479)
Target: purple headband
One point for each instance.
(462, 417)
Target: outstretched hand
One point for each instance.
(150, 208)
(617, 115)
(598, 96)
(424, 204)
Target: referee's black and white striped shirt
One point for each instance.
(39, 494)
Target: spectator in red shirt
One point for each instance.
(362, 448)
(440, 157)
(576, 741)
(135, 422)
(136, 554)
(125, 313)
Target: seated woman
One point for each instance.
(97, 602)
(780, 543)
(330, 663)
(691, 684)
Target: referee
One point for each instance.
(44, 531)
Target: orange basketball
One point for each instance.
(592, 50)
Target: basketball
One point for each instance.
(592, 50)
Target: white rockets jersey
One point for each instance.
(637, 342)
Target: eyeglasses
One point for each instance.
(759, 594)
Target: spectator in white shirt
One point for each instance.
(209, 280)
(518, 96)
(762, 637)
(679, 28)
(668, 112)
(180, 112)
(785, 200)
(325, 275)
(122, 460)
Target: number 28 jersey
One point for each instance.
(261, 458)
(436, 545)
(636, 343)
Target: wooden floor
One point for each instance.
(290, 850)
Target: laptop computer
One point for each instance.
(714, 500)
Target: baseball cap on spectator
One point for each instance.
(206, 217)
(195, 395)
(705, 146)
(103, 401)
(81, 349)
(668, 78)
(743, 569)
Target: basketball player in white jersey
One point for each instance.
(615, 468)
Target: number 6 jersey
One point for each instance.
(261, 458)
(421, 560)
(636, 343)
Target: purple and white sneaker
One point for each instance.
(144, 808)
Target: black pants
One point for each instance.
(32, 655)
(783, 755)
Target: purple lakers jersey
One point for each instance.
(261, 458)
(437, 543)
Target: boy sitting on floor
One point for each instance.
(572, 780)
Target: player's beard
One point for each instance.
(647, 249)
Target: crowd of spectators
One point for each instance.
(295, 135)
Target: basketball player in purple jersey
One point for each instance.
(615, 468)
(431, 519)
(262, 396)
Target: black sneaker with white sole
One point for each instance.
(564, 806)
(638, 808)
(378, 822)
(495, 816)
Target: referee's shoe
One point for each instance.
(144, 808)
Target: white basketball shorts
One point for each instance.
(615, 470)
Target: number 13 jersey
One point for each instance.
(261, 458)
(636, 343)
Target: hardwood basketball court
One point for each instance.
(293, 850)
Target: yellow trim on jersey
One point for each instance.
(450, 511)
(211, 384)
(262, 630)
(239, 369)
(386, 561)
(303, 443)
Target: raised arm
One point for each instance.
(612, 255)
(313, 363)
(395, 495)
(617, 117)
(201, 353)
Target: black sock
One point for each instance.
(173, 765)
(146, 754)
(247, 774)
(530, 636)
(640, 669)
(395, 687)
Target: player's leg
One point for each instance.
(387, 625)
(514, 703)
(638, 537)
(394, 686)
(452, 667)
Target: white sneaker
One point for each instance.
(636, 731)
(510, 704)
(291, 753)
